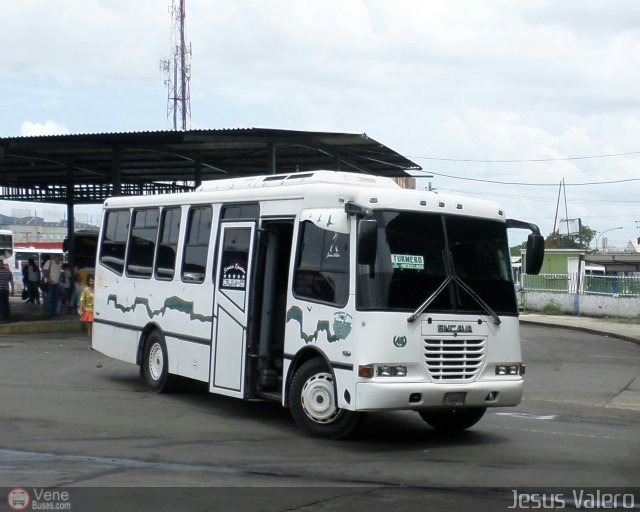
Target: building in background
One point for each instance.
(32, 231)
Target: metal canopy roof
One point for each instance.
(615, 261)
(88, 168)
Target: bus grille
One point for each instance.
(454, 359)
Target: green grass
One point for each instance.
(551, 308)
(622, 319)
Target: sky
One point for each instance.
(501, 99)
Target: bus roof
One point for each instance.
(321, 189)
(302, 178)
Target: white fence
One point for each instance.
(590, 295)
(587, 284)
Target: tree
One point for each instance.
(580, 240)
(516, 250)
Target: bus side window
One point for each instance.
(322, 268)
(168, 244)
(142, 242)
(114, 240)
(194, 261)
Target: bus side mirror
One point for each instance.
(535, 254)
(367, 241)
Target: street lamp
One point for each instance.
(602, 233)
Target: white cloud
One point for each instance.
(29, 128)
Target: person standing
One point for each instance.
(52, 271)
(34, 280)
(85, 309)
(81, 279)
(66, 284)
(25, 282)
(6, 284)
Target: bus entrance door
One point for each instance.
(233, 279)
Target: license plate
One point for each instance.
(454, 399)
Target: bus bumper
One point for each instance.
(372, 396)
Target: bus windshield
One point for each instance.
(418, 252)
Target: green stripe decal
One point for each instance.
(174, 303)
(341, 326)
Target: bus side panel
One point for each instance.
(181, 313)
(116, 328)
(115, 342)
(329, 330)
(188, 359)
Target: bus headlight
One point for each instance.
(510, 369)
(391, 371)
(382, 370)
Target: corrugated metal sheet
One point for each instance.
(95, 166)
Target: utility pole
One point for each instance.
(178, 69)
(554, 238)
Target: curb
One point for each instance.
(587, 330)
(41, 327)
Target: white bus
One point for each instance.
(334, 293)
(39, 256)
(6, 247)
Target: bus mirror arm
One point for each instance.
(520, 224)
(360, 211)
(535, 245)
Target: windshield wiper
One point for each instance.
(478, 299)
(466, 288)
(430, 299)
(453, 277)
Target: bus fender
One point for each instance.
(304, 355)
(150, 327)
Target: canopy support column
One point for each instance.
(197, 172)
(271, 158)
(116, 171)
(71, 248)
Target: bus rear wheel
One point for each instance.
(453, 420)
(313, 403)
(155, 365)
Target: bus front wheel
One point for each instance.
(453, 420)
(155, 365)
(313, 403)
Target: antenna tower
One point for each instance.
(178, 70)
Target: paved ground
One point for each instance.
(74, 418)
(31, 318)
(629, 332)
(629, 396)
